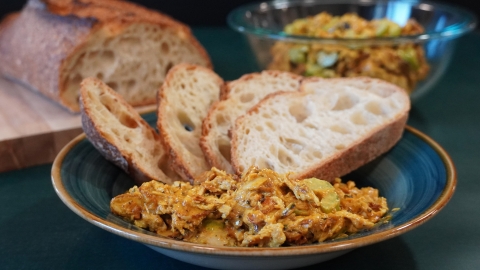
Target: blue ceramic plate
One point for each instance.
(417, 176)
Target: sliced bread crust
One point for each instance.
(52, 45)
(242, 94)
(184, 101)
(330, 128)
(121, 135)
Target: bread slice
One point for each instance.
(53, 44)
(121, 135)
(330, 128)
(184, 101)
(242, 94)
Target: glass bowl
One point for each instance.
(263, 24)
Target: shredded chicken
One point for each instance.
(262, 209)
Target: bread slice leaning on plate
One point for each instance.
(52, 45)
(121, 135)
(328, 129)
(242, 94)
(184, 101)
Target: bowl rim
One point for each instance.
(167, 243)
(468, 22)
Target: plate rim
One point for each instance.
(167, 243)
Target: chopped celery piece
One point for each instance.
(324, 190)
(330, 201)
(298, 54)
(296, 27)
(394, 30)
(289, 29)
(332, 24)
(382, 28)
(313, 70)
(409, 55)
(317, 184)
(213, 224)
(300, 212)
(327, 59)
(387, 28)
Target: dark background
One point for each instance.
(209, 12)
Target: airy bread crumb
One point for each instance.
(121, 135)
(330, 128)
(184, 100)
(51, 46)
(242, 94)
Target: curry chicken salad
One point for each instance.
(259, 209)
(403, 64)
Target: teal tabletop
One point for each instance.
(39, 232)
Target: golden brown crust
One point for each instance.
(8, 19)
(376, 144)
(101, 140)
(56, 30)
(105, 143)
(102, 10)
(50, 40)
(120, 13)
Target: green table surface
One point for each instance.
(37, 231)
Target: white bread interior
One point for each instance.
(134, 62)
(184, 101)
(50, 46)
(330, 128)
(121, 135)
(242, 94)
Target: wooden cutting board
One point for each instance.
(33, 129)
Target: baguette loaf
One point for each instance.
(53, 44)
(242, 94)
(328, 129)
(121, 135)
(184, 100)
